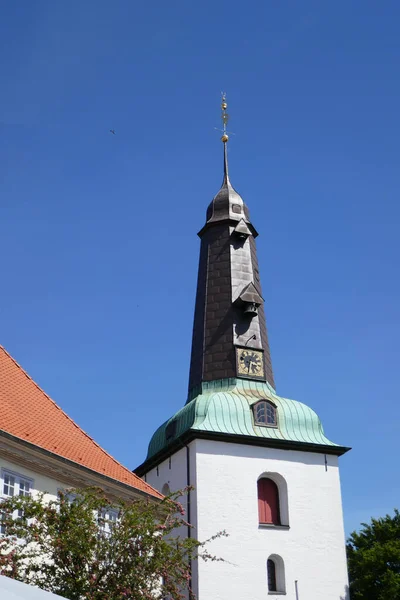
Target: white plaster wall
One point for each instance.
(174, 472)
(41, 483)
(171, 471)
(313, 548)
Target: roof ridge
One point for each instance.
(71, 420)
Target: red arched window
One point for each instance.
(268, 502)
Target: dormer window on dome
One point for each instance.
(170, 430)
(265, 414)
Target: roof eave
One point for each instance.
(33, 449)
(228, 220)
(247, 440)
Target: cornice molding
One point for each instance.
(246, 440)
(66, 471)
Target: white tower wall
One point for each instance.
(310, 542)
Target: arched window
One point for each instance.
(268, 502)
(271, 575)
(276, 575)
(265, 414)
(166, 490)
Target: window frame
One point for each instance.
(267, 403)
(103, 520)
(279, 575)
(277, 499)
(166, 490)
(283, 499)
(106, 520)
(17, 477)
(17, 482)
(70, 497)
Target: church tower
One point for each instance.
(260, 464)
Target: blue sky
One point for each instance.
(98, 231)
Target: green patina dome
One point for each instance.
(224, 407)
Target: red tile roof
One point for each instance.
(28, 413)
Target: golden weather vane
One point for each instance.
(225, 118)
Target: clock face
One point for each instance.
(250, 363)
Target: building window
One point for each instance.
(107, 520)
(69, 497)
(268, 502)
(8, 485)
(13, 484)
(271, 574)
(165, 490)
(276, 575)
(170, 430)
(265, 414)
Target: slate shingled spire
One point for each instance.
(228, 281)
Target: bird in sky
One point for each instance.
(112, 131)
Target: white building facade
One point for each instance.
(43, 451)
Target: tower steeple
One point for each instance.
(229, 334)
(241, 445)
(231, 384)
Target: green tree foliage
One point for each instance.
(374, 560)
(71, 548)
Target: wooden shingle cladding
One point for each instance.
(228, 265)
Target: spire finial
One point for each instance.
(224, 117)
(225, 137)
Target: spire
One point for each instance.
(226, 173)
(227, 203)
(225, 137)
(229, 333)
